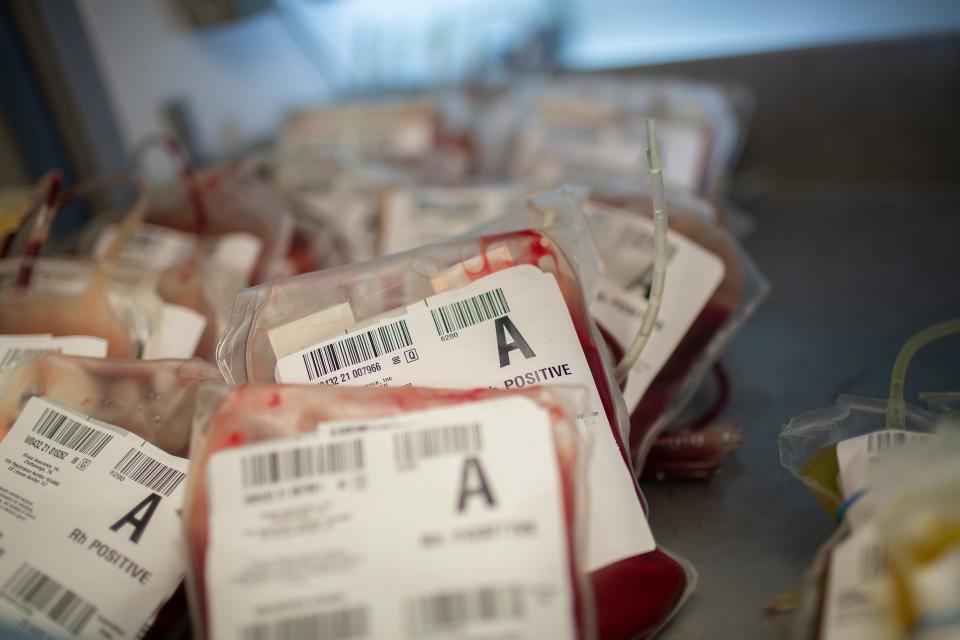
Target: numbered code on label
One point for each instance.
(317, 535)
(92, 541)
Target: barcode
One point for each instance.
(412, 446)
(466, 313)
(333, 625)
(71, 433)
(883, 440)
(149, 472)
(873, 561)
(13, 356)
(35, 589)
(449, 611)
(302, 462)
(356, 349)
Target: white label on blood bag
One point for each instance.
(854, 457)
(15, 349)
(237, 252)
(177, 336)
(411, 218)
(91, 543)
(442, 523)
(511, 329)
(693, 275)
(151, 246)
(859, 601)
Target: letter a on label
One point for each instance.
(473, 482)
(138, 520)
(504, 326)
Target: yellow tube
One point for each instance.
(896, 409)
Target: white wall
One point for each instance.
(607, 33)
(240, 80)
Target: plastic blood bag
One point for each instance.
(96, 484)
(224, 200)
(482, 489)
(54, 306)
(503, 310)
(593, 130)
(715, 288)
(873, 464)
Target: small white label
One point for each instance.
(305, 331)
(177, 336)
(386, 529)
(90, 540)
(15, 349)
(693, 275)
(859, 601)
(151, 246)
(412, 218)
(511, 329)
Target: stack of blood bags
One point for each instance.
(483, 337)
(505, 309)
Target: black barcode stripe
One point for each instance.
(343, 624)
(873, 561)
(293, 464)
(880, 441)
(149, 472)
(452, 610)
(71, 433)
(357, 349)
(35, 589)
(466, 313)
(409, 447)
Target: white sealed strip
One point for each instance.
(511, 330)
(92, 542)
(434, 494)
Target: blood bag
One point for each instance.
(509, 464)
(507, 309)
(712, 289)
(93, 446)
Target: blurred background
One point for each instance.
(85, 80)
